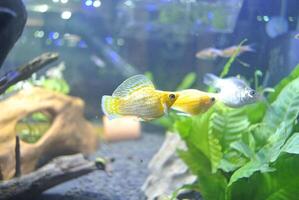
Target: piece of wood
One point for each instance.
(18, 157)
(69, 131)
(59, 170)
(24, 72)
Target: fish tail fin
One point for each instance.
(210, 79)
(250, 47)
(109, 106)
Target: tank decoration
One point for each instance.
(59, 170)
(68, 133)
(123, 128)
(167, 171)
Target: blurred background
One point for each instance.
(102, 42)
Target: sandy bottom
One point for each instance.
(129, 173)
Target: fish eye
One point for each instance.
(213, 99)
(172, 96)
(252, 93)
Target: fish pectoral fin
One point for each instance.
(165, 108)
(183, 114)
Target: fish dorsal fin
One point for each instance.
(132, 84)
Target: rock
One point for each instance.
(69, 132)
(167, 171)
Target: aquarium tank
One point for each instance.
(149, 99)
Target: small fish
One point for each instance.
(297, 36)
(208, 54)
(229, 52)
(138, 97)
(193, 102)
(233, 91)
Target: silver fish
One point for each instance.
(232, 91)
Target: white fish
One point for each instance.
(233, 91)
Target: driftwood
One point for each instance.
(57, 171)
(24, 72)
(69, 132)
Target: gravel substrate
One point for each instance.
(129, 173)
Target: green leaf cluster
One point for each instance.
(246, 153)
(56, 84)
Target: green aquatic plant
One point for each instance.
(229, 63)
(249, 153)
(56, 84)
(32, 127)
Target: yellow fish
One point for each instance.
(193, 101)
(138, 97)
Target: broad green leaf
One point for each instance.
(212, 186)
(292, 145)
(183, 126)
(204, 139)
(261, 161)
(255, 112)
(284, 193)
(284, 109)
(215, 149)
(226, 126)
(231, 161)
(278, 121)
(275, 143)
(281, 184)
(196, 131)
(229, 125)
(294, 75)
(242, 148)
